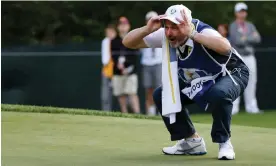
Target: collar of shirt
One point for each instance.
(189, 43)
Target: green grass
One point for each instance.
(266, 120)
(36, 139)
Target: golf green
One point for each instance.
(40, 139)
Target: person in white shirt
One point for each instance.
(107, 70)
(151, 71)
(208, 70)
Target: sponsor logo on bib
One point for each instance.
(187, 75)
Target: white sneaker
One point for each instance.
(191, 146)
(152, 111)
(234, 112)
(226, 151)
(255, 111)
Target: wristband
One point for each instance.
(192, 34)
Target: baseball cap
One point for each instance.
(173, 12)
(123, 20)
(240, 6)
(151, 14)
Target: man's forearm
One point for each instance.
(218, 44)
(134, 39)
(240, 41)
(236, 38)
(255, 38)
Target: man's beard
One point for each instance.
(175, 45)
(178, 43)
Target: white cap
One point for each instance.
(173, 12)
(240, 6)
(151, 14)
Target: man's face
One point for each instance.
(173, 34)
(241, 14)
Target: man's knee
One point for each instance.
(217, 95)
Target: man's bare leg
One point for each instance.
(150, 107)
(123, 103)
(135, 103)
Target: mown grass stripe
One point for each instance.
(266, 120)
(73, 111)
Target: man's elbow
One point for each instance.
(225, 47)
(228, 46)
(226, 43)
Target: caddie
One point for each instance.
(207, 72)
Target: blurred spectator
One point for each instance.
(223, 30)
(125, 80)
(243, 36)
(152, 66)
(107, 71)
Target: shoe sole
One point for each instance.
(225, 158)
(183, 153)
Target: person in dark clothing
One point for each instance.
(125, 79)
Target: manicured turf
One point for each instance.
(36, 139)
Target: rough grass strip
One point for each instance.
(73, 111)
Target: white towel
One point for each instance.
(171, 103)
